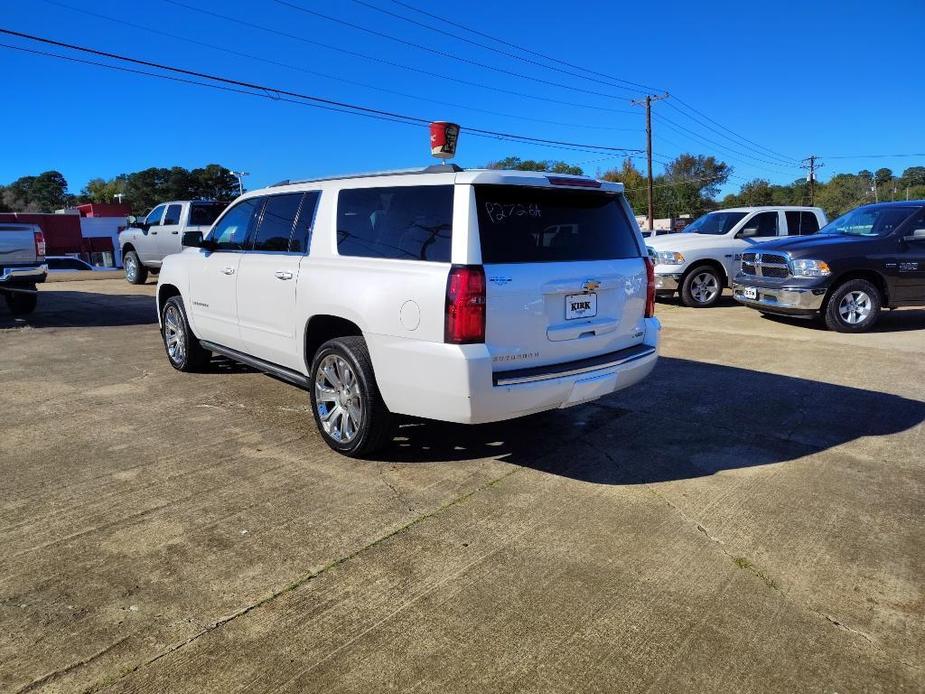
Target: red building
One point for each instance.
(90, 231)
(62, 231)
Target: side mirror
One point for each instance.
(748, 232)
(916, 235)
(193, 239)
(132, 220)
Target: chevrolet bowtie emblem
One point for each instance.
(590, 285)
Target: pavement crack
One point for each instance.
(48, 677)
(294, 585)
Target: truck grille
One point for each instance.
(765, 265)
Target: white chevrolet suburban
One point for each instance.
(463, 296)
(699, 262)
(146, 242)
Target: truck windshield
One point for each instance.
(869, 221)
(203, 214)
(518, 224)
(717, 223)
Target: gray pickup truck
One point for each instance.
(145, 243)
(22, 265)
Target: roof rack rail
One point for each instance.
(433, 168)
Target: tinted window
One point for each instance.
(869, 221)
(763, 224)
(276, 223)
(154, 216)
(302, 234)
(204, 214)
(65, 264)
(534, 225)
(232, 229)
(173, 214)
(717, 223)
(801, 223)
(410, 222)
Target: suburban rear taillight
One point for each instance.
(39, 244)
(650, 287)
(465, 305)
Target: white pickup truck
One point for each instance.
(147, 242)
(462, 296)
(699, 262)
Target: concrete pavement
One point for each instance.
(748, 519)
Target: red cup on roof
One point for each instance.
(443, 139)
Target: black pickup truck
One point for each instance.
(870, 258)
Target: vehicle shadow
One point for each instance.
(900, 320)
(688, 419)
(70, 309)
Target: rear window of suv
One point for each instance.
(399, 222)
(540, 225)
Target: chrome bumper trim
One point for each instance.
(543, 373)
(667, 282)
(784, 298)
(35, 274)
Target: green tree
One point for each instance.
(634, 182)
(692, 183)
(518, 164)
(46, 192)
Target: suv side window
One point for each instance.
(279, 215)
(234, 227)
(762, 224)
(406, 222)
(154, 216)
(801, 223)
(302, 234)
(173, 214)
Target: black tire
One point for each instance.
(702, 287)
(183, 349)
(21, 304)
(373, 432)
(853, 307)
(135, 272)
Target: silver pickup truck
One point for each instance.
(146, 242)
(22, 265)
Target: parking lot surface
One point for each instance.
(750, 518)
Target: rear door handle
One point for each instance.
(174, 232)
(228, 270)
(282, 275)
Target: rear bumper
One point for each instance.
(456, 383)
(785, 300)
(14, 278)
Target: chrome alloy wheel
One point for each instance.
(338, 399)
(174, 336)
(854, 307)
(131, 267)
(704, 287)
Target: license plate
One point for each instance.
(749, 292)
(580, 306)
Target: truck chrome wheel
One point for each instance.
(338, 399)
(704, 287)
(854, 307)
(131, 267)
(174, 337)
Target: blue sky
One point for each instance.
(830, 78)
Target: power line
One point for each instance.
(872, 156)
(647, 102)
(275, 92)
(402, 66)
(641, 87)
(677, 127)
(444, 54)
(302, 69)
(488, 47)
(745, 139)
(608, 79)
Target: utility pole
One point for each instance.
(240, 176)
(647, 102)
(810, 163)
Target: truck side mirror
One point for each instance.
(192, 239)
(917, 235)
(747, 232)
(132, 220)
